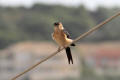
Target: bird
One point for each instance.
(62, 38)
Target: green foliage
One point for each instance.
(36, 23)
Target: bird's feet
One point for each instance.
(59, 49)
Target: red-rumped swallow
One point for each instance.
(62, 38)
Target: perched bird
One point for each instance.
(62, 38)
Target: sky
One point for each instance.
(91, 4)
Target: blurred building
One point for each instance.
(104, 58)
(18, 57)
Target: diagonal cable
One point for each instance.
(80, 37)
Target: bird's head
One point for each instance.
(58, 25)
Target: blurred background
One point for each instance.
(25, 39)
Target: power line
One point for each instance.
(80, 37)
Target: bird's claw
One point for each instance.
(59, 49)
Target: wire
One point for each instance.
(80, 37)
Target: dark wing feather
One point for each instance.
(68, 35)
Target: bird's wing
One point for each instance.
(65, 32)
(68, 36)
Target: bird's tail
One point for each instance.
(69, 55)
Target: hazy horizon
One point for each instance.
(90, 4)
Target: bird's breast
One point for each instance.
(59, 38)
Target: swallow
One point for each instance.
(62, 38)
